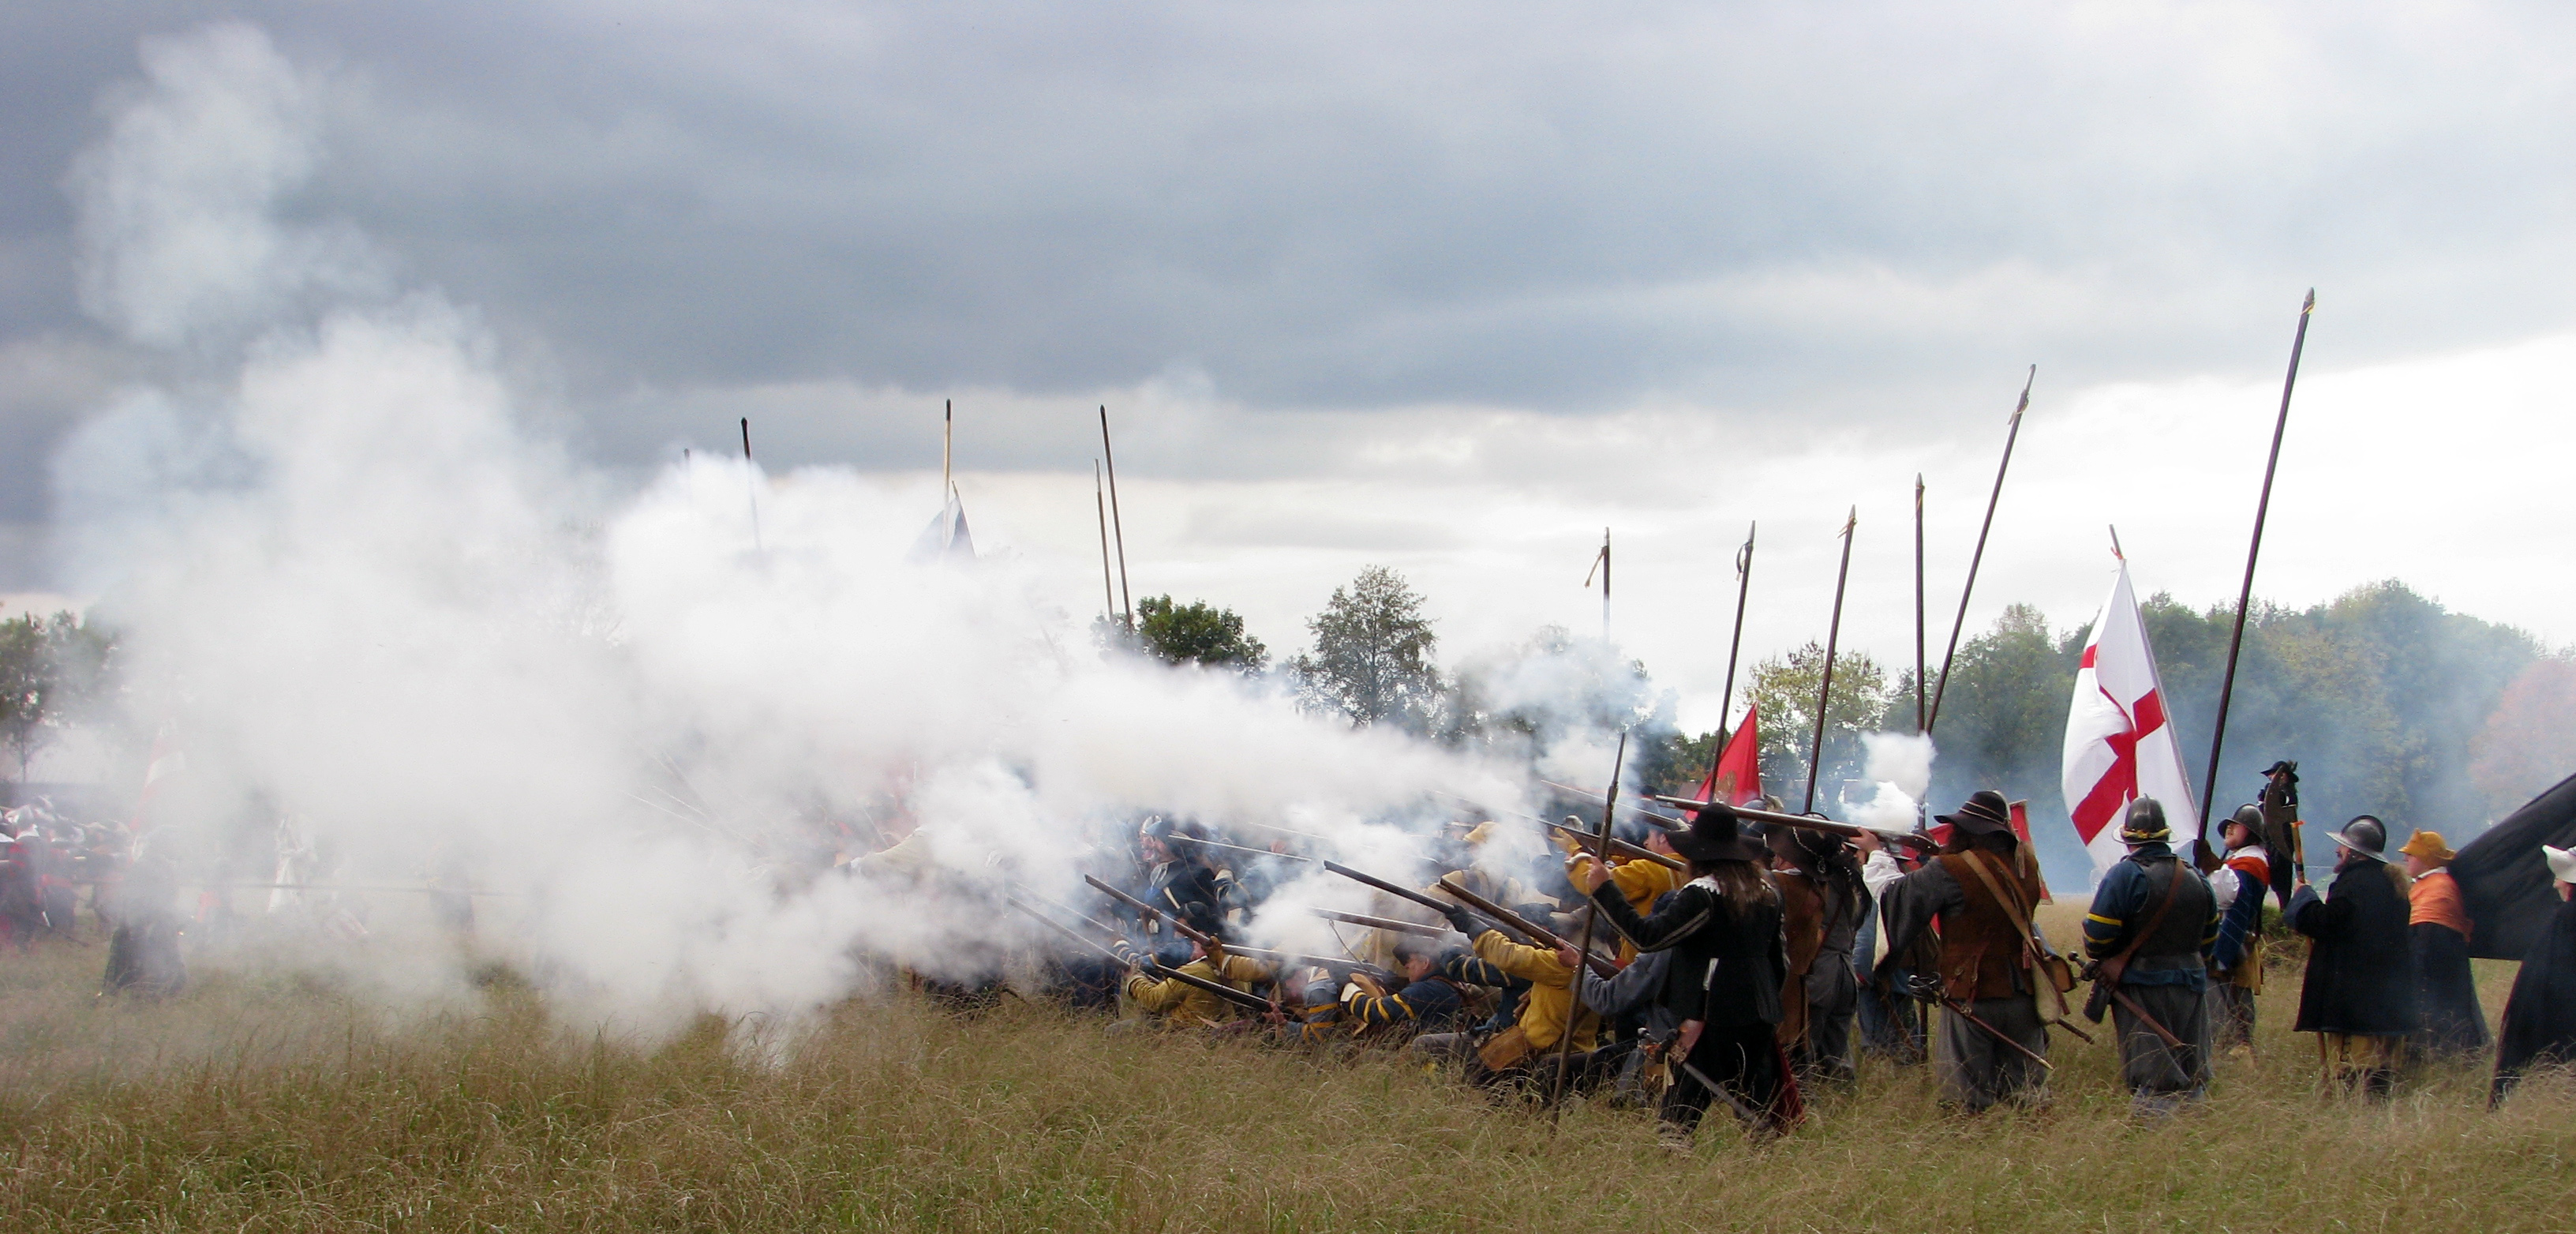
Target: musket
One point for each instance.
(1634, 852)
(1315, 961)
(1742, 1111)
(1179, 926)
(1846, 830)
(1665, 820)
(1404, 893)
(1600, 965)
(1249, 1002)
(1236, 848)
(1384, 923)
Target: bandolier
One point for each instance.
(2236, 959)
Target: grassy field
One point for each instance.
(265, 1101)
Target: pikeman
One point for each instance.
(2359, 995)
(1179, 1002)
(1994, 1045)
(1722, 984)
(1820, 900)
(2148, 933)
(2438, 925)
(2236, 959)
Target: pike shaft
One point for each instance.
(2245, 594)
(1735, 643)
(1117, 524)
(1833, 638)
(1978, 558)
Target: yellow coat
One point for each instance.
(1183, 1003)
(1542, 1019)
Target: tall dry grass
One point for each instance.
(267, 1102)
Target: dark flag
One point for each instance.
(2504, 881)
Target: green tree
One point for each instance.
(2003, 716)
(53, 672)
(1197, 633)
(1372, 657)
(1784, 693)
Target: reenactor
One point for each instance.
(1994, 1042)
(2359, 994)
(2437, 924)
(2149, 932)
(2236, 959)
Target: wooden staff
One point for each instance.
(1592, 914)
(1833, 636)
(1115, 523)
(2011, 434)
(2245, 594)
(1734, 644)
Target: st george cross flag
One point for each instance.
(2120, 745)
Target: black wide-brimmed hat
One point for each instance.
(1715, 834)
(1985, 814)
(2281, 766)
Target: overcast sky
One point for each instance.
(1451, 287)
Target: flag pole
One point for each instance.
(1116, 524)
(2011, 434)
(2245, 593)
(1825, 693)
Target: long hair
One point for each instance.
(1741, 885)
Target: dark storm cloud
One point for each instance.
(1854, 212)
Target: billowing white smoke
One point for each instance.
(361, 593)
(1900, 766)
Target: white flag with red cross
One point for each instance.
(2120, 741)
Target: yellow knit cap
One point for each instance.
(2428, 846)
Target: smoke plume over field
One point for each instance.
(362, 593)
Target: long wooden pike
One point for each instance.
(1116, 524)
(2011, 434)
(2245, 594)
(1592, 915)
(1100, 506)
(1734, 643)
(1920, 697)
(1833, 639)
(751, 485)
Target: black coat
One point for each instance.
(1725, 971)
(2361, 968)
(2540, 1015)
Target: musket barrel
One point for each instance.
(1383, 923)
(1178, 926)
(1771, 818)
(1406, 893)
(1634, 852)
(1536, 933)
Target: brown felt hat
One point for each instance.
(1984, 814)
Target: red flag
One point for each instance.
(1736, 777)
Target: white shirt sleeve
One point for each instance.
(1879, 873)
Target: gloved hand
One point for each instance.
(1461, 920)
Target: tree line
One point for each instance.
(2391, 704)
